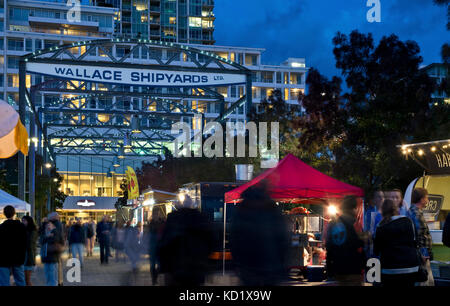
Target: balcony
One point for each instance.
(55, 23)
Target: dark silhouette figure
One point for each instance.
(345, 257)
(104, 239)
(259, 239)
(185, 245)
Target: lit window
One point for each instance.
(298, 65)
(195, 22)
(173, 20)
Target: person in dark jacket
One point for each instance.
(345, 256)
(77, 239)
(104, 239)
(155, 230)
(446, 232)
(51, 249)
(185, 245)
(396, 246)
(13, 243)
(30, 256)
(62, 236)
(259, 239)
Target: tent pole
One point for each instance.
(224, 233)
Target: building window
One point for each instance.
(15, 44)
(172, 20)
(195, 22)
(13, 62)
(28, 44)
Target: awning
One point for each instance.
(89, 203)
(294, 181)
(7, 199)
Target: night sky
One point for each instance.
(305, 28)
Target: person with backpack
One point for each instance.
(77, 239)
(345, 255)
(395, 244)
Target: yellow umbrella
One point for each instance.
(13, 135)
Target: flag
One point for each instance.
(132, 183)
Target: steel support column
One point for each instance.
(32, 167)
(22, 113)
(249, 94)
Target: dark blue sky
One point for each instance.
(305, 28)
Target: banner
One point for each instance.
(438, 162)
(132, 183)
(135, 76)
(434, 205)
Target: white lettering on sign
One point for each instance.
(131, 76)
(86, 203)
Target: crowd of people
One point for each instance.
(394, 233)
(179, 244)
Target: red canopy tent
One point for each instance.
(294, 181)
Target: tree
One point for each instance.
(389, 103)
(445, 51)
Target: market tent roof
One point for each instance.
(18, 204)
(293, 181)
(89, 203)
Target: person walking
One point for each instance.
(54, 218)
(396, 246)
(119, 241)
(13, 243)
(185, 245)
(132, 247)
(51, 249)
(259, 239)
(30, 256)
(155, 230)
(77, 239)
(345, 256)
(419, 199)
(104, 239)
(90, 237)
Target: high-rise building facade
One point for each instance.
(182, 21)
(30, 25)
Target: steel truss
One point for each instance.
(70, 124)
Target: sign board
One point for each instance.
(135, 76)
(438, 161)
(86, 203)
(434, 205)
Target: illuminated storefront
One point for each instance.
(87, 208)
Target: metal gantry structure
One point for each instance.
(79, 117)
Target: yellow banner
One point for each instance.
(132, 183)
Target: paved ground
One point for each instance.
(119, 274)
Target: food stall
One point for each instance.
(295, 183)
(434, 158)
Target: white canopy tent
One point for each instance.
(7, 199)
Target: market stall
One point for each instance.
(292, 181)
(20, 206)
